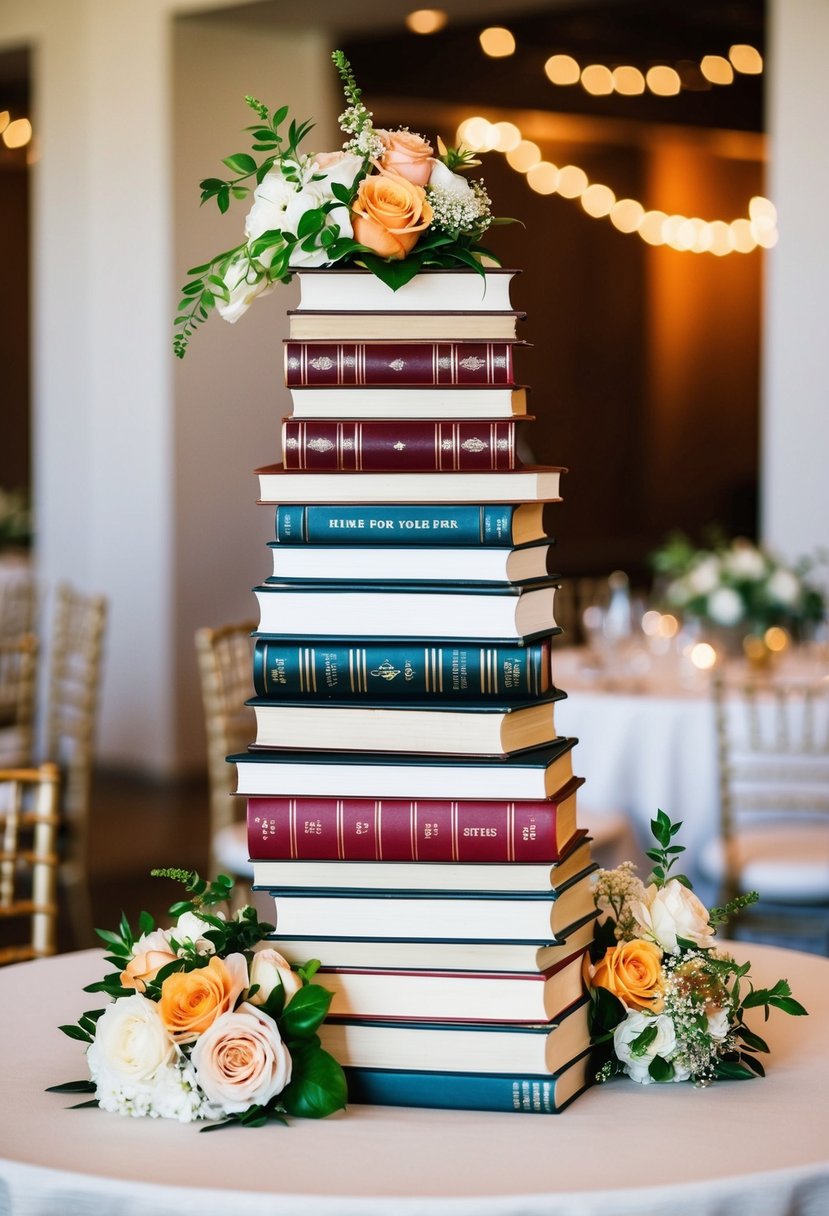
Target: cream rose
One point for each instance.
(267, 969)
(408, 155)
(131, 1043)
(632, 971)
(672, 912)
(191, 1001)
(152, 952)
(389, 214)
(243, 284)
(663, 1044)
(191, 928)
(241, 1061)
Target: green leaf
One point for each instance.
(341, 192)
(751, 1039)
(240, 162)
(310, 222)
(643, 1040)
(305, 1012)
(72, 1087)
(223, 199)
(113, 940)
(146, 924)
(660, 1070)
(317, 1087)
(76, 1032)
(279, 117)
(733, 1070)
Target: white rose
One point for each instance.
(280, 205)
(663, 1044)
(244, 286)
(671, 912)
(191, 928)
(157, 940)
(744, 561)
(704, 577)
(241, 1061)
(444, 179)
(131, 1044)
(718, 1024)
(267, 969)
(725, 606)
(339, 167)
(784, 588)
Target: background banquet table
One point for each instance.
(758, 1146)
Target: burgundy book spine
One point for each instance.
(398, 829)
(401, 364)
(384, 446)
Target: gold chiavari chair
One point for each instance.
(19, 603)
(18, 691)
(28, 860)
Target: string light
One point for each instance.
(18, 133)
(662, 80)
(685, 234)
(497, 42)
(426, 20)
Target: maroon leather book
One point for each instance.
(402, 364)
(399, 829)
(384, 445)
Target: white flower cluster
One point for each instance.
(458, 206)
(614, 893)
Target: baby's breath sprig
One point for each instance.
(356, 119)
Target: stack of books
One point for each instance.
(410, 804)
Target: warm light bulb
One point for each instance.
(703, 656)
(18, 133)
(663, 81)
(572, 181)
(668, 626)
(597, 80)
(776, 639)
(650, 622)
(474, 133)
(628, 81)
(767, 238)
(524, 155)
(716, 69)
(509, 136)
(721, 238)
(4, 119)
(746, 59)
(426, 20)
(650, 229)
(562, 69)
(762, 212)
(702, 235)
(543, 177)
(742, 236)
(626, 215)
(497, 42)
(598, 200)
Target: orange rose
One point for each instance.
(408, 155)
(192, 1000)
(632, 971)
(389, 214)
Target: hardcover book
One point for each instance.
(423, 831)
(531, 484)
(399, 364)
(367, 326)
(504, 525)
(505, 613)
(354, 289)
(462, 728)
(327, 670)
(409, 564)
(534, 774)
(453, 404)
(405, 445)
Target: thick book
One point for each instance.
(530, 484)
(531, 1095)
(465, 728)
(425, 915)
(449, 1047)
(392, 406)
(407, 445)
(409, 564)
(503, 525)
(332, 875)
(504, 613)
(325, 670)
(538, 773)
(451, 996)
(368, 326)
(465, 290)
(399, 364)
(424, 831)
(445, 955)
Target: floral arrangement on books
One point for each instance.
(385, 202)
(668, 1003)
(737, 583)
(206, 1022)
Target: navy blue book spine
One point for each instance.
(457, 1091)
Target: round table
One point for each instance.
(621, 1149)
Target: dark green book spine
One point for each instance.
(399, 671)
(532, 1095)
(396, 525)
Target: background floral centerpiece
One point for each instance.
(668, 1002)
(206, 1021)
(15, 520)
(387, 202)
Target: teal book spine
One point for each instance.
(394, 671)
(396, 525)
(536, 1095)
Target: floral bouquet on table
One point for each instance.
(385, 202)
(205, 1024)
(669, 1004)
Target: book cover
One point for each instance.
(467, 290)
(530, 484)
(503, 525)
(532, 563)
(322, 669)
(413, 830)
(435, 325)
(387, 446)
(399, 364)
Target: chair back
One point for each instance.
(225, 657)
(19, 602)
(28, 860)
(18, 689)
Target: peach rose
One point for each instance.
(267, 969)
(241, 1061)
(192, 1000)
(389, 214)
(408, 155)
(632, 971)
